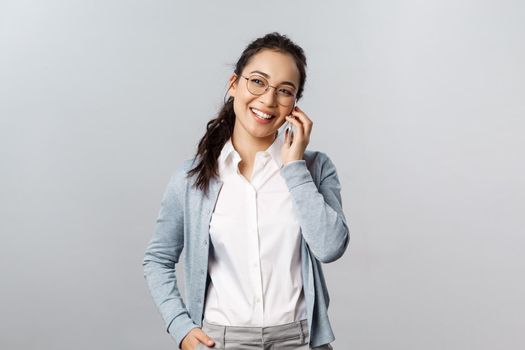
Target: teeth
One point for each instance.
(261, 114)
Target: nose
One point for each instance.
(269, 98)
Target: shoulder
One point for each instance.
(182, 168)
(179, 179)
(321, 167)
(317, 161)
(186, 165)
(315, 157)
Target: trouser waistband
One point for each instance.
(258, 334)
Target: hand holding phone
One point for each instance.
(301, 126)
(289, 126)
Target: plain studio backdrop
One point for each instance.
(420, 104)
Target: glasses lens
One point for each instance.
(257, 85)
(285, 95)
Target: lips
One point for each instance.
(261, 120)
(265, 112)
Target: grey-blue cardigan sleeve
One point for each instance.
(323, 223)
(161, 256)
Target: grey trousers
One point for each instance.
(290, 336)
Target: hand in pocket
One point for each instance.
(195, 337)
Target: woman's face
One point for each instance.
(277, 68)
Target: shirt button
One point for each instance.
(257, 300)
(205, 242)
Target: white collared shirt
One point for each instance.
(255, 255)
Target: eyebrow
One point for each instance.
(267, 76)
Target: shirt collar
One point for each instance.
(227, 151)
(274, 151)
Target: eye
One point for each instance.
(257, 81)
(286, 91)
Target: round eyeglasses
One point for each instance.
(258, 85)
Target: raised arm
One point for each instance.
(323, 223)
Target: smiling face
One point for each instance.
(279, 69)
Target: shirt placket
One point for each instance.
(255, 260)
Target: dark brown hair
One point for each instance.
(219, 129)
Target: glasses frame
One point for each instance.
(267, 88)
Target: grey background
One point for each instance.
(418, 103)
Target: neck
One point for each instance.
(247, 145)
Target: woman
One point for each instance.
(256, 214)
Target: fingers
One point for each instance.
(288, 136)
(204, 338)
(301, 121)
(194, 337)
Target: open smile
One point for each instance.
(260, 116)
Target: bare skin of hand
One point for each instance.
(194, 337)
(294, 147)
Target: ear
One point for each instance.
(232, 85)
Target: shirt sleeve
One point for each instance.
(321, 217)
(162, 255)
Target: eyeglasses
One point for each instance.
(258, 85)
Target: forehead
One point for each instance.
(279, 66)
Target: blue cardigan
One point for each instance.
(183, 222)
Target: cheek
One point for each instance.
(239, 107)
(284, 112)
(242, 101)
(240, 98)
